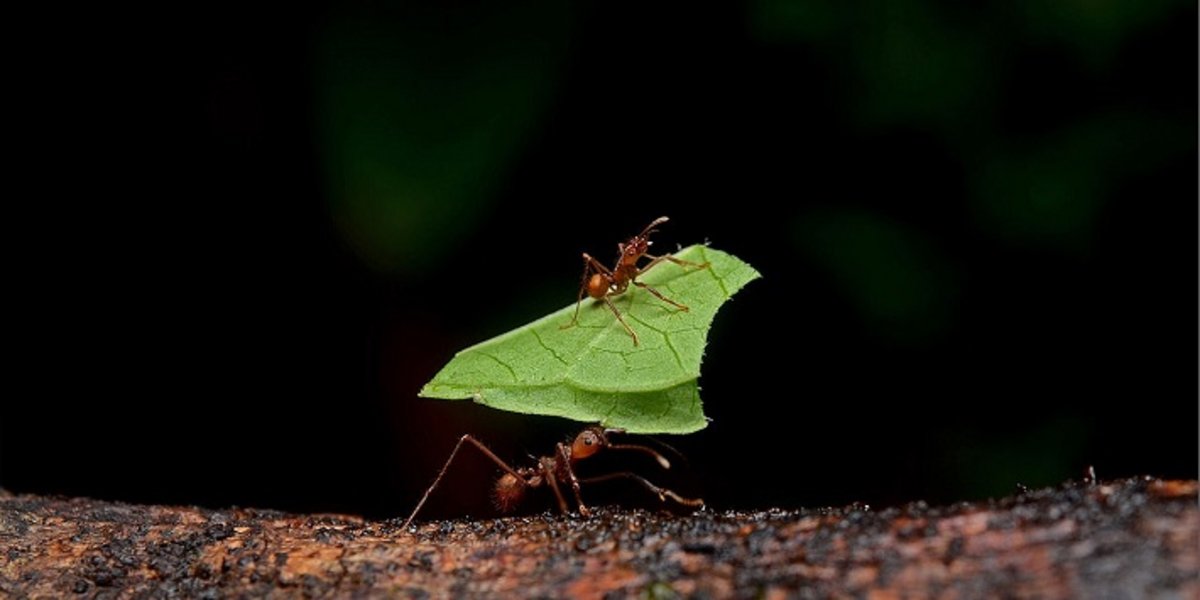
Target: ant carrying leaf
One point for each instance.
(591, 373)
(558, 471)
(600, 282)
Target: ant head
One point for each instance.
(640, 243)
(588, 442)
(636, 247)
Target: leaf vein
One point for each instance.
(713, 273)
(666, 338)
(511, 371)
(552, 351)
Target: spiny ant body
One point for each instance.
(558, 471)
(600, 283)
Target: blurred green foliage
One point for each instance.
(1049, 191)
(916, 62)
(938, 67)
(422, 111)
(1093, 29)
(904, 288)
(1044, 454)
(1039, 168)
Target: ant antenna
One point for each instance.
(650, 228)
(662, 460)
(669, 448)
(466, 439)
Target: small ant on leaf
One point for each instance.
(559, 470)
(600, 283)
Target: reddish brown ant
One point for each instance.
(600, 283)
(559, 470)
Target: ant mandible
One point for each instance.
(559, 470)
(600, 283)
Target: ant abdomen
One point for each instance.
(508, 493)
(598, 286)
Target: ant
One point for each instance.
(559, 470)
(600, 283)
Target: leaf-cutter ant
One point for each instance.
(600, 283)
(559, 470)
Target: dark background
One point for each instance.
(242, 238)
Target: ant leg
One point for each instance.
(614, 310)
(565, 457)
(662, 493)
(548, 473)
(654, 260)
(658, 294)
(583, 281)
(597, 265)
(484, 449)
(589, 264)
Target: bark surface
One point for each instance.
(1135, 538)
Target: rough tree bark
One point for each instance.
(1128, 539)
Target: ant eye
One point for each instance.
(586, 444)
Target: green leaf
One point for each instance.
(593, 372)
